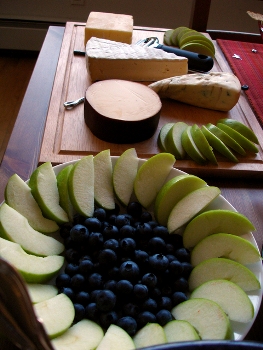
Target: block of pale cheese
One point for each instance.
(107, 59)
(121, 111)
(110, 26)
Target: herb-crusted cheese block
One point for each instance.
(108, 59)
(216, 90)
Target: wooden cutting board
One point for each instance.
(67, 137)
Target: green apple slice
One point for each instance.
(224, 245)
(15, 227)
(241, 128)
(242, 140)
(187, 35)
(221, 268)
(191, 148)
(124, 173)
(162, 136)
(167, 37)
(34, 269)
(237, 305)
(198, 48)
(179, 330)
(217, 144)
(41, 292)
(151, 177)
(190, 205)
(149, 335)
(103, 186)
(172, 192)
(18, 196)
(116, 338)
(81, 186)
(175, 34)
(224, 137)
(215, 221)
(84, 335)
(63, 190)
(202, 144)
(206, 316)
(57, 314)
(198, 39)
(43, 184)
(173, 140)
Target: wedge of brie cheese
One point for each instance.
(106, 59)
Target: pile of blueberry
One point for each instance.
(123, 268)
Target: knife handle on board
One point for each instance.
(196, 61)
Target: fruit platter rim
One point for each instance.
(240, 330)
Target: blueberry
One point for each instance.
(107, 257)
(143, 230)
(72, 255)
(63, 280)
(127, 246)
(68, 292)
(140, 291)
(127, 231)
(146, 216)
(163, 317)
(150, 305)
(111, 219)
(79, 233)
(156, 245)
(152, 223)
(95, 281)
(178, 297)
(131, 309)
(124, 287)
(110, 231)
(129, 324)
(95, 240)
(122, 220)
(79, 312)
(111, 285)
(92, 312)
(187, 269)
(149, 279)
(77, 281)
(114, 273)
(65, 230)
(141, 257)
(86, 267)
(82, 298)
(161, 231)
(108, 318)
(165, 303)
(134, 209)
(169, 248)
(155, 293)
(100, 214)
(93, 224)
(129, 270)
(158, 262)
(93, 295)
(145, 317)
(175, 268)
(170, 257)
(112, 244)
(105, 300)
(166, 290)
(182, 254)
(181, 285)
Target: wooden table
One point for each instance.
(244, 192)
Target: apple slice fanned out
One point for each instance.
(103, 187)
(221, 268)
(206, 316)
(224, 245)
(215, 221)
(233, 300)
(57, 314)
(179, 330)
(41, 292)
(43, 184)
(63, 190)
(124, 173)
(151, 334)
(151, 176)
(116, 338)
(34, 269)
(15, 227)
(84, 335)
(18, 196)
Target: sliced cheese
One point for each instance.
(121, 111)
(216, 90)
(109, 26)
(108, 59)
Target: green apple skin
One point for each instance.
(18, 196)
(179, 330)
(236, 305)
(57, 314)
(173, 140)
(202, 144)
(224, 245)
(162, 136)
(241, 128)
(34, 269)
(124, 173)
(175, 34)
(151, 176)
(81, 186)
(173, 191)
(218, 145)
(151, 334)
(15, 227)
(167, 37)
(83, 335)
(215, 221)
(222, 268)
(198, 48)
(103, 187)
(190, 205)
(41, 292)
(43, 184)
(191, 148)
(64, 198)
(242, 140)
(116, 338)
(224, 137)
(206, 316)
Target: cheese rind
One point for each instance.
(216, 90)
(109, 26)
(106, 59)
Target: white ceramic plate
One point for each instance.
(240, 329)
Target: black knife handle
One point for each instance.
(196, 61)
